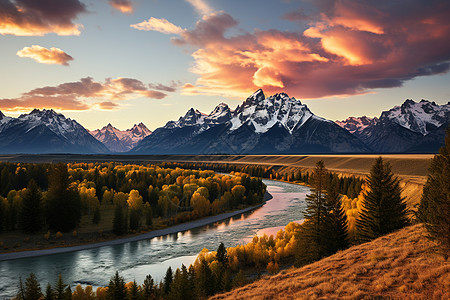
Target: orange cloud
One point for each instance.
(201, 6)
(28, 17)
(46, 56)
(124, 6)
(83, 95)
(349, 47)
(160, 25)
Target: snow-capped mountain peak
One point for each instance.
(121, 141)
(420, 117)
(264, 113)
(357, 124)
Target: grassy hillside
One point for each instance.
(397, 266)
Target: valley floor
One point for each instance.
(401, 265)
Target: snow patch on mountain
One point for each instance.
(420, 117)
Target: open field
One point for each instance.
(410, 168)
(401, 265)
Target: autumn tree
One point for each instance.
(135, 205)
(32, 212)
(383, 209)
(434, 207)
(63, 202)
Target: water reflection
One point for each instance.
(153, 256)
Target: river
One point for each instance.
(134, 260)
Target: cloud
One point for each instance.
(107, 105)
(30, 17)
(160, 25)
(83, 95)
(349, 47)
(124, 6)
(46, 56)
(201, 6)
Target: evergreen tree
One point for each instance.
(60, 288)
(204, 279)
(116, 288)
(168, 280)
(96, 217)
(311, 241)
(119, 221)
(383, 209)
(335, 230)
(31, 213)
(148, 287)
(221, 255)
(434, 207)
(21, 293)
(63, 202)
(133, 292)
(32, 288)
(49, 295)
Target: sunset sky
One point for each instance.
(130, 61)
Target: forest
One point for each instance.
(36, 197)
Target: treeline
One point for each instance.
(209, 275)
(346, 185)
(137, 193)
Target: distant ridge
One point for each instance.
(121, 141)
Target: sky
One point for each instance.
(129, 61)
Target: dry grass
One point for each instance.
(397, 266)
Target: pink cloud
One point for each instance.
(124, 6)
(82, 95)
(31, 17)
(46, 56)
(350, 47)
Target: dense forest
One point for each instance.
(39, 196)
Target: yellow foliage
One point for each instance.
(200, 204)
(135, 200)
(59, 235)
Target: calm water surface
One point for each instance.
(137, 259)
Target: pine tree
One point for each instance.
(221, 255)
(133, 292)
(32, 288)
(63, 202)
(60, 288)
(311, 240)
(168, 278)
(148, 287)
(383, 209)
(21, 292)
(434, 207)
(96, 217)
(204, 280)
(31, 213)
(116, 288)
(120, 220)
(49, 295)
(335, 230)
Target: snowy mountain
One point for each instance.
(121, 141)
(358, 124)
(411, 127)
(421, 117)
(46, 132)
(260, 125)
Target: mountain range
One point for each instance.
(45, 131)
(277, 124)
(121, 140)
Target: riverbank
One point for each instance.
(155, 233)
